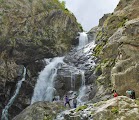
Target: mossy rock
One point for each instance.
(80, 108)
(43, 28)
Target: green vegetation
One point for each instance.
(80, 108)
(115, 110)
(63, 4)
(1, 1)
(98, 69)
(99, 36)
(49, 117)
(137, 101)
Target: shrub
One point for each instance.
(114, 110)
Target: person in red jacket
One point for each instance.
(115, 94)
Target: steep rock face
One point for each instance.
(117, 46)
(43, 28)
(92, 34)
(30, 31)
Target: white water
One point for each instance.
(44, 88)
(5, 110)
(83, 40)
(82, 89)
(72, 80)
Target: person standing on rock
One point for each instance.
(115, 94)
(133, 94)
(67, 101)
(129, 93)
(75, 102)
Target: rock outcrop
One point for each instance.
(44, 28)
(121, 108)
(40, 111)
(117, 49)
(31, 31)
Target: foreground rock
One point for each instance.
(40, 111)
(121, 108)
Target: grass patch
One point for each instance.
(115, 110)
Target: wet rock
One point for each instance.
(67, 81)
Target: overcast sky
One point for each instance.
(88, 12)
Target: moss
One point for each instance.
(99, 36)
(97, 50)
(115, 110)
(105, 60)
(137, 101)
(49, 117)
(98, 70)
(122, 22)
(81, 108)
(1, 1)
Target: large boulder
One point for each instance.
(40, 111)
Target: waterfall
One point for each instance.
(82, 88)
(83, 40)
(18, 86)
(44, 88)
(71, 80)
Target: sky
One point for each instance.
(88, 12)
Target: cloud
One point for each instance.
(88, 12)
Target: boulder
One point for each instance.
(40, 111)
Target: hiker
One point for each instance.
(67, 101)
(129, 93)
(133, 94)
(75, 102)
(115, 94)
(54, 99)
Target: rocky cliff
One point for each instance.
(117, 66)
(30, 31)
(117, 50)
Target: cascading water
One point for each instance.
(44, 89)
(83, 40)
(82, 89)
(5, 110)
